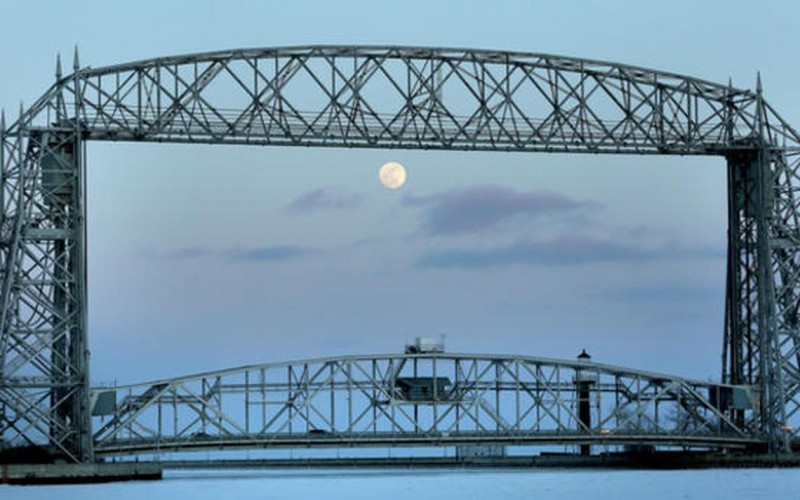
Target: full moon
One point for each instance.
(392, 175)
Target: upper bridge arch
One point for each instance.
(409, 97)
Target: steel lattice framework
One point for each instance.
(389, 97)
(413, 400)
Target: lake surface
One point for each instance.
(566, 484)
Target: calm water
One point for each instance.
(729, 484)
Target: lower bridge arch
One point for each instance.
(420, 399)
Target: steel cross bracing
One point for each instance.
(412, 400)
(382, 97)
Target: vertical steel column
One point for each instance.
(45, 367)
(44, 372)
(62, 182)
(751, 326)
(80, 346)
(741, 335)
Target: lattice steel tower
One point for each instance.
(392, 97)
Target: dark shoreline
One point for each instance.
(30, 474)
(663, 460)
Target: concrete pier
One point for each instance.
(78, 473)
(658, 460)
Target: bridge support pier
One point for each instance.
(78, 473)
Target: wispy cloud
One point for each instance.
(483, 207)
(186, 253)
(564, 251)
(661, 293)
(270, 253)
(323, 199)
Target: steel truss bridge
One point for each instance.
(393, 97)
(414, 400)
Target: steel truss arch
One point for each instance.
(403, 97)
(415, 400)
(390, 97)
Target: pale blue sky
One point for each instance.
(197, 260)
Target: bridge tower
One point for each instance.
(44, 355)
(761, 318)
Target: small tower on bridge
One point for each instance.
(584, 380)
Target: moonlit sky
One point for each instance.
(207, 257)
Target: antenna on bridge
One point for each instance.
(58, 66)
(760, 118)
(76, 62)
(729, 114)
(2, 123)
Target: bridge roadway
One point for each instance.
(389, 439)
(420, 400)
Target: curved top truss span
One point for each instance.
(409, 97)
(415, 400)
(401, 359)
